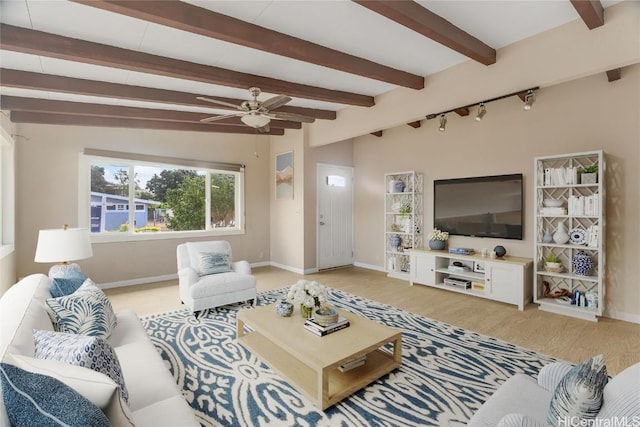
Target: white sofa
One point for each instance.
(523, 401)
(154, 398)
(199, 290)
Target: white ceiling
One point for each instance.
(342, 25)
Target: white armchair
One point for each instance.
(208, 278)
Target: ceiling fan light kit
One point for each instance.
(255, 120)
(257, 114)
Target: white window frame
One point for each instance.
(7, 194)
(127, 159)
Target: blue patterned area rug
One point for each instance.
(446, 373)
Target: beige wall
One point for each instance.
(582, 115)
(287, 216)
(293, 222)
(47, 185)
(8, 274)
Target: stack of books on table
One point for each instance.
(322, 330)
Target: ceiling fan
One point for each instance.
(257, 114)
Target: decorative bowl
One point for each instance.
(325, 316)
(552, 203)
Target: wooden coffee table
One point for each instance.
(309, 362)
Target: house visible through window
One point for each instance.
(167, 198)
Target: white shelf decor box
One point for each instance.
(582, 215)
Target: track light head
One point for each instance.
(482, 110)
(443, 122)
(529, 99)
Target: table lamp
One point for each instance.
(63, 246)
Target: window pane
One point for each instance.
(109, 197)
(223, 200)
(166, 198)
(179, 195)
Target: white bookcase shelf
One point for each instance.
(403, 206)
(557, 178)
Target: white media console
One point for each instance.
(507, 279)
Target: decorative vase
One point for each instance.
(588, 178)
(306, 312)
(437, 245)
(394, 241)
(500, 251)
(582, 264)
(398, 186)
(547, 238)
(284, 308)
(561, 236)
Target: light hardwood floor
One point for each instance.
(559, 336)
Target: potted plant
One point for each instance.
(589, 174)
(553, 264)
(438, 239)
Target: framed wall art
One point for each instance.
(284, 176)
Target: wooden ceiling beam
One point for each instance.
(48, 82)
(78, 120)
(591, 12)
(462, 111)
(415, 124)
(615, 74)
(194, 19)
(34, 42)
(16, 103)
(412, 15)
(377, 133)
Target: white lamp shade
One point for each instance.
(62, 245)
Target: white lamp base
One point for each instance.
(61, 270)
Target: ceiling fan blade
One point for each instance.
(216, 118)
(215, 101)
(264, 129)
(275, 102)
(289, 116)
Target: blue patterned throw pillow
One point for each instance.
(39, 400)
(87, 311)
(89, 352)
(61, 286)
(214, 263)
(578, 396)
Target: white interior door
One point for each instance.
(335, 216)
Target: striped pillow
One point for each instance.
(214, 263)
(578, 396)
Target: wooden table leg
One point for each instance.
(239, 328)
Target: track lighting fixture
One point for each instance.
(482, 110)
(443, 122)
(527, 95)
(529, 99)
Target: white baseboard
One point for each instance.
(139, 281)
(370, 266)
(260, 264)
(620, 315)
(294, 269)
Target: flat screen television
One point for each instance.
(485, 206)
